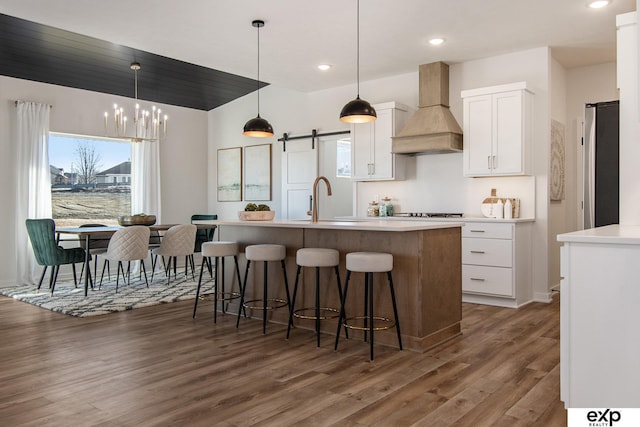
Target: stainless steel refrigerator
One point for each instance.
(601, 164)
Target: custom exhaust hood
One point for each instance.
(432, 129)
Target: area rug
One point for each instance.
(71, 301)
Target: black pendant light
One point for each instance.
(358, 110)
(258, 127)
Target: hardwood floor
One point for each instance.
(157, 366)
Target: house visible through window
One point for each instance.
(90, 179)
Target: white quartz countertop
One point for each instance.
(463, 219)
(610, 234)
(364, 225)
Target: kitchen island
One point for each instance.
(426, 271)
(599, 350)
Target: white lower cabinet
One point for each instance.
(496, 263)
(487, 280)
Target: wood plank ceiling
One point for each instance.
(32, 51)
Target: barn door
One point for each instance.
(299, 170)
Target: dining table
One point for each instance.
(86, 233)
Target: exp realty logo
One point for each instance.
(601, 418)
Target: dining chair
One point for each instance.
(128, 244)
(47, 252)
(98, 244)
(154, 243)
(203, 235)
(179, 240)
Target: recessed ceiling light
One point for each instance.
(436, 41)
(324, 67)
(599, 3)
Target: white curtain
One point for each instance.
(33, 182)
(145, 178)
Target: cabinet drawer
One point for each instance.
(488, 230)
(490, 252)
(487, 280)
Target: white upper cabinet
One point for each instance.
(371, 157)
(497, 130)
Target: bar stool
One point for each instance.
(369, 263)
(315, 257)
(264, 253)
(218, 250)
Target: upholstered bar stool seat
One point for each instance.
(369, 263)
(218, 250)
(315, 257)
(265, 253)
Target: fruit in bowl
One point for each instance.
(137, 219)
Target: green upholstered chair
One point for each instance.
(203, 235)
(42, 233)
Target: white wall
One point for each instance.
(182, 155)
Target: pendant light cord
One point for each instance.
(258, 70)
(358, 48)
(135, 83)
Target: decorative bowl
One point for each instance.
(126, 220)
(256, 215)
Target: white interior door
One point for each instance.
(299, 170)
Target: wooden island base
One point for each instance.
(426, 273)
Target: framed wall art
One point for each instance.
(556, 175)
(230, 174)
(257, 172)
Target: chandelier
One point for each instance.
(148, 125)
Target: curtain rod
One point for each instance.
(313, 136)
(20, 100)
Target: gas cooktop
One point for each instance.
(430, 214)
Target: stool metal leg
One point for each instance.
(366, 305)
(341, 318)
(318, 306)
(222, 286)
(395, 309)
(293, 301)
(346, 331)
(286, 283)
(242, 291)
(195, 305)
(370, 280)
(215, 291)
(235, 260)
(264, 299)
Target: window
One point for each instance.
(90, 179)
(343, 158)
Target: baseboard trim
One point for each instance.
(542, 296)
